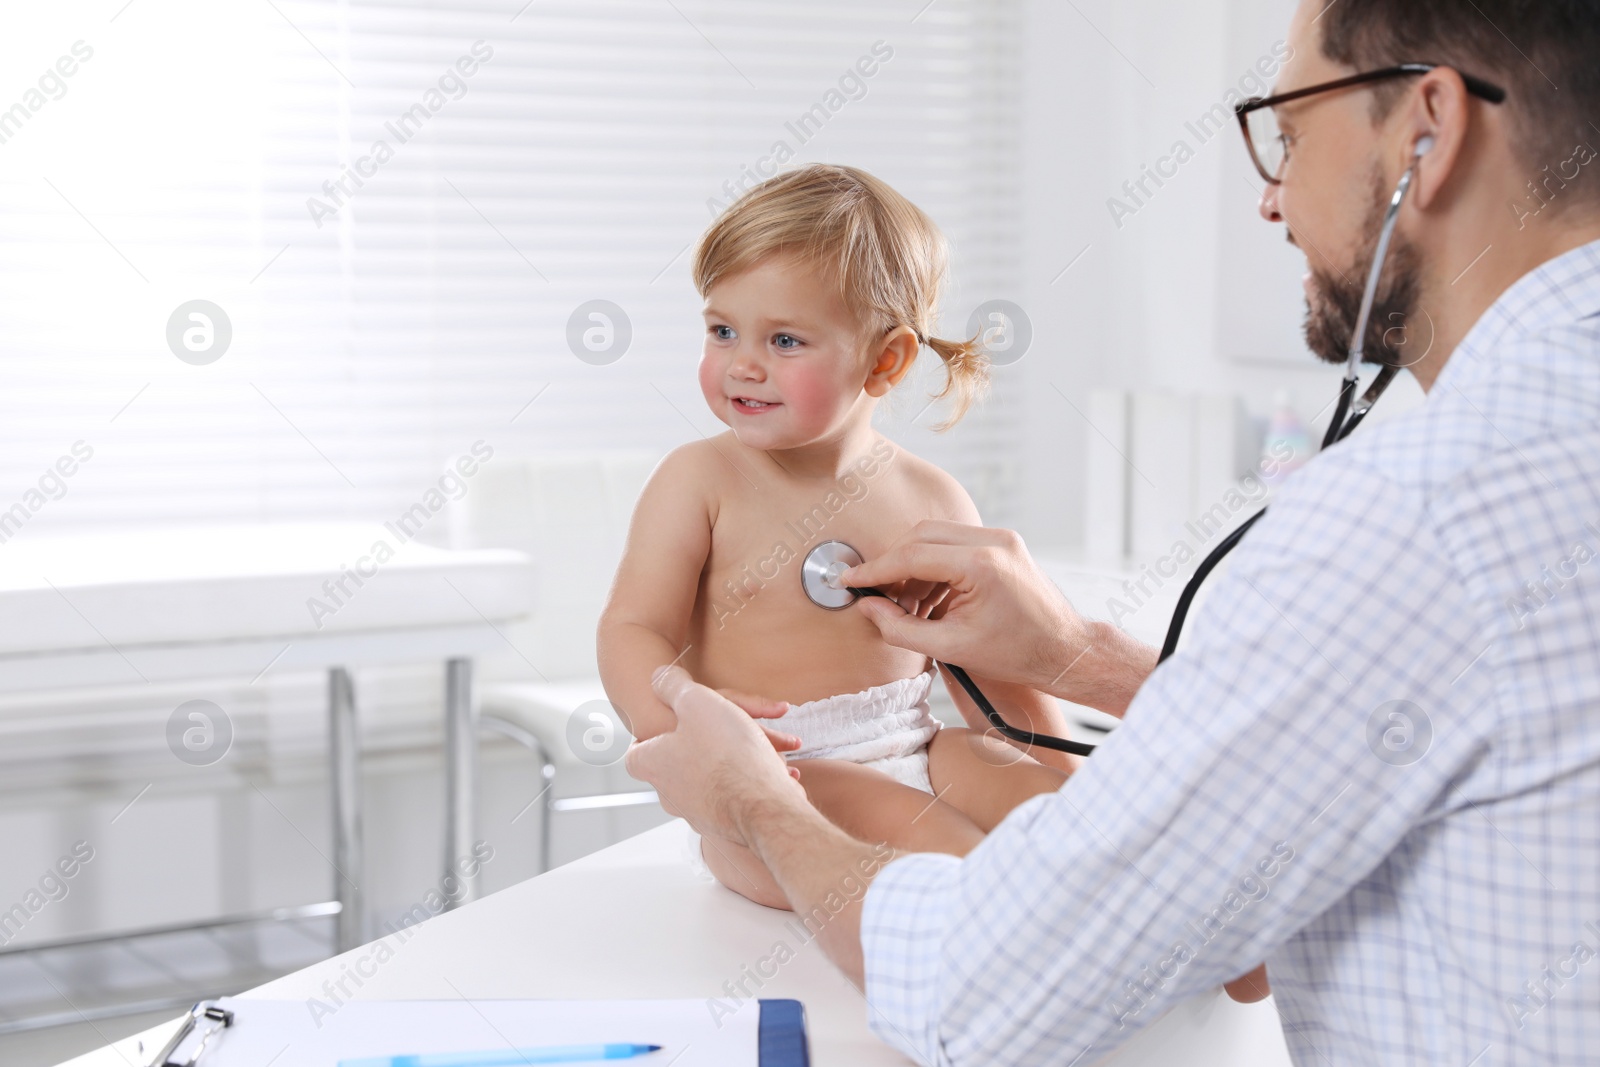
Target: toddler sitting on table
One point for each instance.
(821, 286)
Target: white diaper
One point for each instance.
(887, 728)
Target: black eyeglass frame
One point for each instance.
(1476, 86)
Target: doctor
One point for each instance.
(1375, 762)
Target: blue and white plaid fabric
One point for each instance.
(1374, 764)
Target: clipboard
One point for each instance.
(232, 1031)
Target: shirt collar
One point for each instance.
(1563, 289)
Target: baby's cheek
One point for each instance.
(711, 381)
(814, 398)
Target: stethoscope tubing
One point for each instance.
(1337, 431)
(1347, 412)
(1025, 737)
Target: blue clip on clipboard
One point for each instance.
(783, 1034)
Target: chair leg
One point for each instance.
(344, 757)
(547, 776)
(547, 772)
(460, 775)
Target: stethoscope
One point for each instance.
(821, 570)
(820, 578)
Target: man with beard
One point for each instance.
(1375, 763)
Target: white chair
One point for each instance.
(570, 514)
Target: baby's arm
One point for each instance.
(646, 618)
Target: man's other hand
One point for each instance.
(717, 762)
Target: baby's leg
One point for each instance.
(738, 868)
(984, 777)
(865, 804)
(870, 806)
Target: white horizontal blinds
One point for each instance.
(574, 162)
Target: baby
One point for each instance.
(821, 286)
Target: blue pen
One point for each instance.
(507, 1057)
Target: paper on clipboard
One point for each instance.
(285, 1033)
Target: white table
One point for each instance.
(197, 602)
(635, 920)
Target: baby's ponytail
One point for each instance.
(966, 366)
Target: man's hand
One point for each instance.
(764, 708)
(973, 596)
(979, 584)
(717, 761)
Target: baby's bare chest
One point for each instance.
(760, 540)
(753, 626)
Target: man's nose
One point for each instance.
(1268, 205)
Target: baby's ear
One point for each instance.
(892, 357)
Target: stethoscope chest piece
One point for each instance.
(819, 575)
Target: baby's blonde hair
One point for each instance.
(888, 258)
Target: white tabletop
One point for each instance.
(210, 583)
(635, 920)
(214, 600)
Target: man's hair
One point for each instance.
(1544, 53)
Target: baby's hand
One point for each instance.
(762, 708)
(756, 707)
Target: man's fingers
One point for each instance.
(929, 603)
(920, 561)
(640, 760)
(949, 532)
(903, 630)
(670, 682)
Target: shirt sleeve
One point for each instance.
(1307, 723)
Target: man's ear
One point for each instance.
(1436, 123)
(892, 357)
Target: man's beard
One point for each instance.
(1334, 303)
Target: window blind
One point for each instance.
(398, 207)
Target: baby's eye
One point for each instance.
(786, 342)
(722, 333)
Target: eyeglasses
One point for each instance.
(1269, 149)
